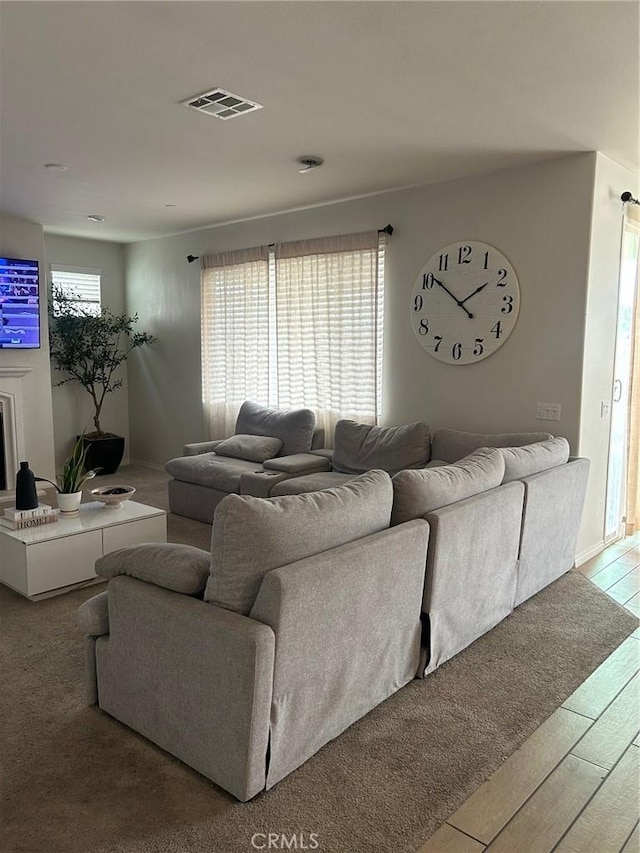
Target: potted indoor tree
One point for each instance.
(89, 348)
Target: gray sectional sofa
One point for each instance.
(314, 606)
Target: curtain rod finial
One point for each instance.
(192, 258)
(627, 197)
(388, 229)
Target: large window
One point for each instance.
(295, 324)
(79, 285)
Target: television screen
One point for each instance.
(19, 304)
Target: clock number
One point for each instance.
(478, 348)
(423, 329)
(502, 278)
(418, 302)
(456, 351)
(464, 255)
(486, 260)
(438, 340)
(508, 308)
(443, 263)
(427, 281)
(497, 329)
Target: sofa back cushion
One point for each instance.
(362, 447)
(415, 493)
(294, 428)
(255, 448)
(251, 536)
(531, 459)
(450, 445)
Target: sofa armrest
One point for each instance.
(298, 463)
(347, 626)
(200, 447)
(181, 568)
(471, 569)
(193, 678)
(92, 617)
(324, 451)
(553, 505)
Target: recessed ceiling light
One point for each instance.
(56, 167)
(307, 163)
(95, 217)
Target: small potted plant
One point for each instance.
(90, 348)
(73, 477)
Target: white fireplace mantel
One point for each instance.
(12, 406)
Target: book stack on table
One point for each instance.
(19, 519)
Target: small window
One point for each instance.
(80, 285)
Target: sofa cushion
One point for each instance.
(181, 568)
(311, 483)
(255, 448)
(521, 462)
(415, 493)
(209, 469)
(362, 447)
(450, 445)
(251, 536)
(293, 428)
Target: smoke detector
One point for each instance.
(221, 104)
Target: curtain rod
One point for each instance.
(388, 229)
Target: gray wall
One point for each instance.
(538, 216)
(72, 406)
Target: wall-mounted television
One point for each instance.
(19, 304)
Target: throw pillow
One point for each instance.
(255, 448)
(521, 462)
(251, 536)
(181, 568)
(362, 447)
(294, 428)
(415, 493)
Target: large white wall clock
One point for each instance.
(465, 302)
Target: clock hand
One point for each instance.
(477, 290)
(457, 301)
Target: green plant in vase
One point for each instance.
(70, 481)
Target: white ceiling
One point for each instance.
(391, 94)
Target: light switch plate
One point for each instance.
(548, 411)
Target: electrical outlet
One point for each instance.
(548, 411)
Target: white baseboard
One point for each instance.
(591, 552)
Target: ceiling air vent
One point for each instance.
(221, 104)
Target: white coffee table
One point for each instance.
(43, 561)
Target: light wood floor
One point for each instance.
(574, 786)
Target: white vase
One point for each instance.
(69, 504)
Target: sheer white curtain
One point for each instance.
(235, 335)
(329, 315)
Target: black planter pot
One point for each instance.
(105, 453)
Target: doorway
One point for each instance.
(625, 344)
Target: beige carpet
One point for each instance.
(76, 781)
